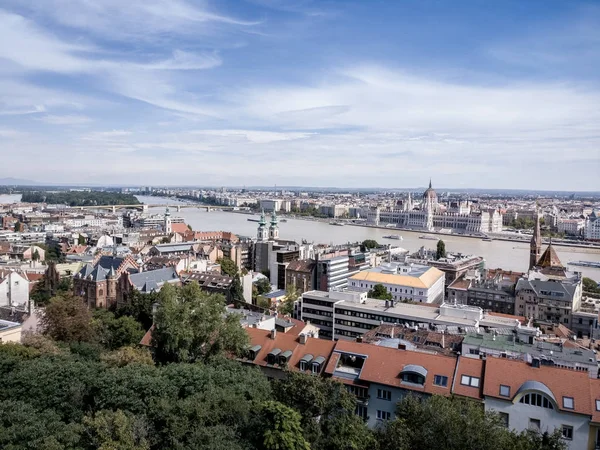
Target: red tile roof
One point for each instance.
(179, 228)
(561, 382)
(595, 396)
(383, 365)
(473, 368)
(284, 341)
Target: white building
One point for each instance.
(431, 216)
(573, 227)
(349, 314)
(14, 290)
(413, 282)
(592, 227)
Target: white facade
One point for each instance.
(592, 228)
(14, 290)
(521, 416)
(573, 227)
(410, 283)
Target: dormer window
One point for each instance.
(305, 362)
(413, 374)
(284, 357)
(317, 365)
(253, 352)
(272, 356)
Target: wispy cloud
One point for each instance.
(66, 120)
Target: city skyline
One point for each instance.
(305, 93)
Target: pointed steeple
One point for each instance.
(262, 220)
(429, 182)
(549, 258)
(535, 246)
(167, 213)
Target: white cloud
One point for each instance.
(66, 119)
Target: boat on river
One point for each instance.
(394, 236)
(487, 239)
(594, 264)
(337, 224)
(429, 238)
(253, 220)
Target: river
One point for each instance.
(507, 255)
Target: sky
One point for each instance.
(472, 94)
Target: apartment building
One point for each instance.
(406, 282)
(348, 315)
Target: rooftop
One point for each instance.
(415, 276)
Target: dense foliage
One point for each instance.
(440, 251)
(368, 244)
(590, 285)
(80, 198)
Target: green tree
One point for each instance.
(291, 296)
(81, 240)
(590, 285)
(228, 267)
(440, 422)
(440, 250)
(17, 227)
(139, 306)
(109, 430)
(281, 429)
(369, 244)
(36, 255)
(346, 431)
(116, 332)
(190, 326)
(67, 319)
(379, 291)
(127, 355)
(237, 292)
(24, 427)
(263, 286)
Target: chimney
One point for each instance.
(359, 339)
(444, 339)
(302, 338)
(273, 333)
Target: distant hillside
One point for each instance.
(17, 182)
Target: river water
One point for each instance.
(503, 254)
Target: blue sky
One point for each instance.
(316, 93)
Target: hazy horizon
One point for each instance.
(302, 93)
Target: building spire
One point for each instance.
(429, 182)
(535, 246)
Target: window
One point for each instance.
(467, 380)
(537, 400)
(414, 378)
(440, 380)
(568, 403)
(567, 432)
(597, 405)
(384, 394)
(361, 411)
(383, 415)
(534, 424)
(504, 418)
(504, 390)
(303, 365)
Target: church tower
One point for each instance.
(168, 227)
(262, 234)
(273, 229)
(429, 206)
(535, 246)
